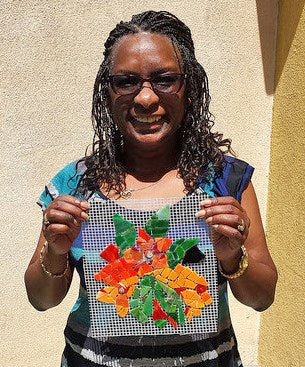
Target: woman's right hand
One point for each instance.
(62, 221)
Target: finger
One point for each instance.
(228, 231)
(61, 217)
(222, 200)
(63, 206)
(219, 209)
(74, 201)
(56, 228)
(229, 220)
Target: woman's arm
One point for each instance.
(256, 286)
(65, 215)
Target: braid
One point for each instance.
(200, 148)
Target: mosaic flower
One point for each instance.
(144, 275)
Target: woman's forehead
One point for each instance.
(145, 49)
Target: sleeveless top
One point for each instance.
(217, 349)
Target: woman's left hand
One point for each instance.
(230, 223)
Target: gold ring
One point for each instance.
(241, 227)
(46, 221)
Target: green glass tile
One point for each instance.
(136, 293)
(147, 306)
(134, 303)
(125, 232)
(180, 252)
(189, 243)
(166, 288)
(160, 323)
(144, 290)
(181, 318)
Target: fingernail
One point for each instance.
(209, 220)
(85, 216)
(215, 226)
(201, 213)
(84, 205)
(206, 202)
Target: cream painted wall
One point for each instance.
(50, 53)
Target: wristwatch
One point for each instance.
(243, 264)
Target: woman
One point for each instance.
(153, 139)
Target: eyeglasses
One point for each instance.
(169, 83)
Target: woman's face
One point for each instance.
(146, 117)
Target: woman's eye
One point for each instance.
(165, 79)
(126, 81)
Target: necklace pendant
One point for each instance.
(126, 194)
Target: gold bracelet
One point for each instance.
(243, 264)
(48, 273)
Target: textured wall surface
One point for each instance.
(282, 338)
(50, 53)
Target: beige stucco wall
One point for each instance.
(282, 341)
(50, 53)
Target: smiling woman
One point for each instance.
(153, 139)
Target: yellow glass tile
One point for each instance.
(173, 284)
(114, 292)
(122, 311)
(189, 284)
(180, 281)
(165, 273)
(193, 276)
(104, 297)
(196, 311)
(132, 280)
(173, 275)
(163, 280)
(130, 291)
(186, 272)
(202, 281)
(188, 294)
(158, 271)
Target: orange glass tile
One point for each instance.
(133, 255)
(163, 244)
(179, 268)
(130, 291)
(144, 269)
(189, 284)
(159, 262)
(122, 300)
(173, 284)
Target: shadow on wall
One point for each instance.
(267, 22)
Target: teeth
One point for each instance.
(149, 119)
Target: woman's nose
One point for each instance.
(146, 98)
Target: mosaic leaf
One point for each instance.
(125, 232)
(177, 250)
(158, 224)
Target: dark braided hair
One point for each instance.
(201, 150)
